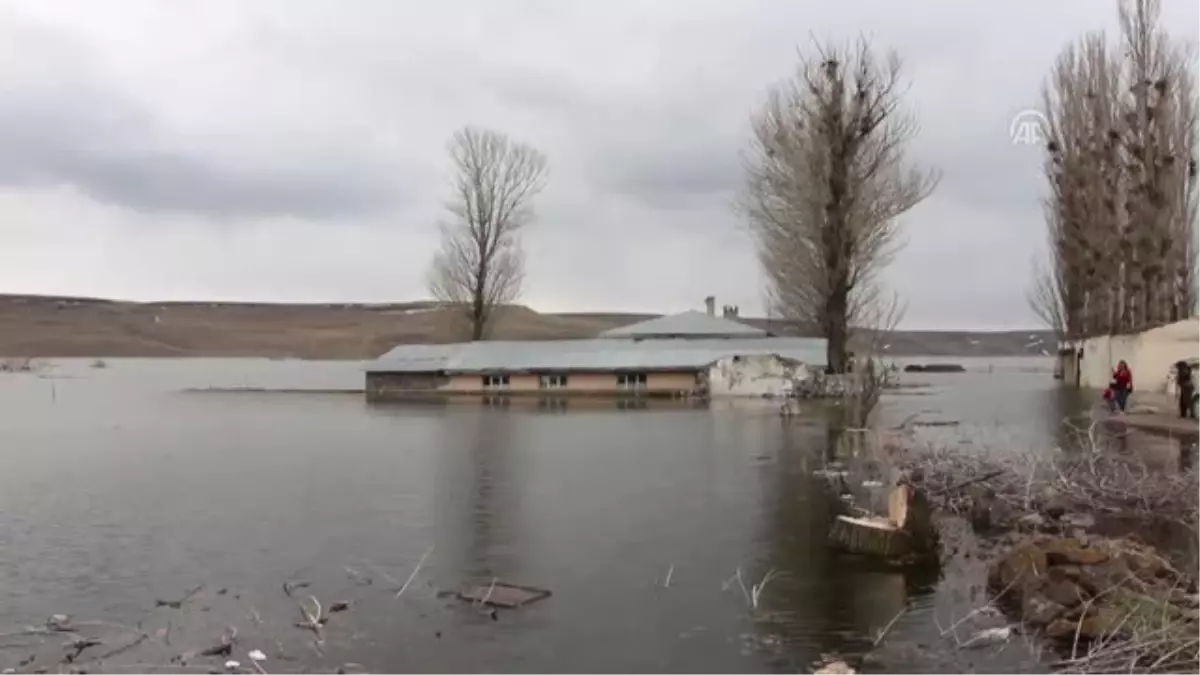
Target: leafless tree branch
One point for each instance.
(1121, 167)
(826, 180)
(480, 264)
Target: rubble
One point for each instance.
(1106, 591)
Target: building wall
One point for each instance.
(396, 385)
(669, 382)
(756, 375)
(386, 385)
(1151, 355)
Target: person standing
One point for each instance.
(1122, 385)
(1187, 388)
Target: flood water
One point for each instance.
(119, 487)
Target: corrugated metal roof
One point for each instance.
(688, 323)
(593, 354)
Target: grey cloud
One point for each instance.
(665, 179)
(642, 108)
(107, 149)
(68, 127)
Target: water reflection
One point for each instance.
(806, 600)
(841, 598)
(478, 516)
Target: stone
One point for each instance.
(1062, 591)
(835, 668)
(1059, 572)
(1024, 565)
(1031, 522)
(1061, 629)
(1102, 622)
(1084, 521)
(1072, 552)
(1039, 611)
(1097, 578)
(1055, 507)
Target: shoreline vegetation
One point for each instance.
(1085, 554)
(50, 326)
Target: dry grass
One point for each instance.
(103, 329)
(63, 327)
(1091, 477)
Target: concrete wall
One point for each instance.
(381, 386)
(758, 375)
(1151, 355)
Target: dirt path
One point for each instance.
(1160, 422)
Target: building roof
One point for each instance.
(589, 355)
(686, 325)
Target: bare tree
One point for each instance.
(1121, 165)
(480, 265)
(826, 180)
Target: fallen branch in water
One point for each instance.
(291, 586)
(177, 604)
(414, 574)
(887, 627)
(312, 620)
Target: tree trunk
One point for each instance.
(478, 301)
(836, 330)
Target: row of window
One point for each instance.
(624, 381)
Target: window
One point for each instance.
(631, 380)
(552, 381)
(495, 381)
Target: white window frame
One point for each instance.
(634, 381)
(552, 381)
(499, 381)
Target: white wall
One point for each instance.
(756, 375)
(1151, 355)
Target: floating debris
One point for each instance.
(177, 604)
(358, 577)
(59, 622)
(501, 594)
(290, 586)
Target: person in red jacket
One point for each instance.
(1122, 385)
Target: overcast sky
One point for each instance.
(295, 150)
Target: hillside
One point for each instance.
(45, 326)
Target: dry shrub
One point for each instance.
(1089, 476)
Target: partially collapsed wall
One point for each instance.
(760, 375)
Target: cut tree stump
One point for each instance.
(907, 534)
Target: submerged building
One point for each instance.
(677, 355)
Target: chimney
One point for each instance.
(729, 311)
(710, 305)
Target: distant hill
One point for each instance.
(45, 326)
